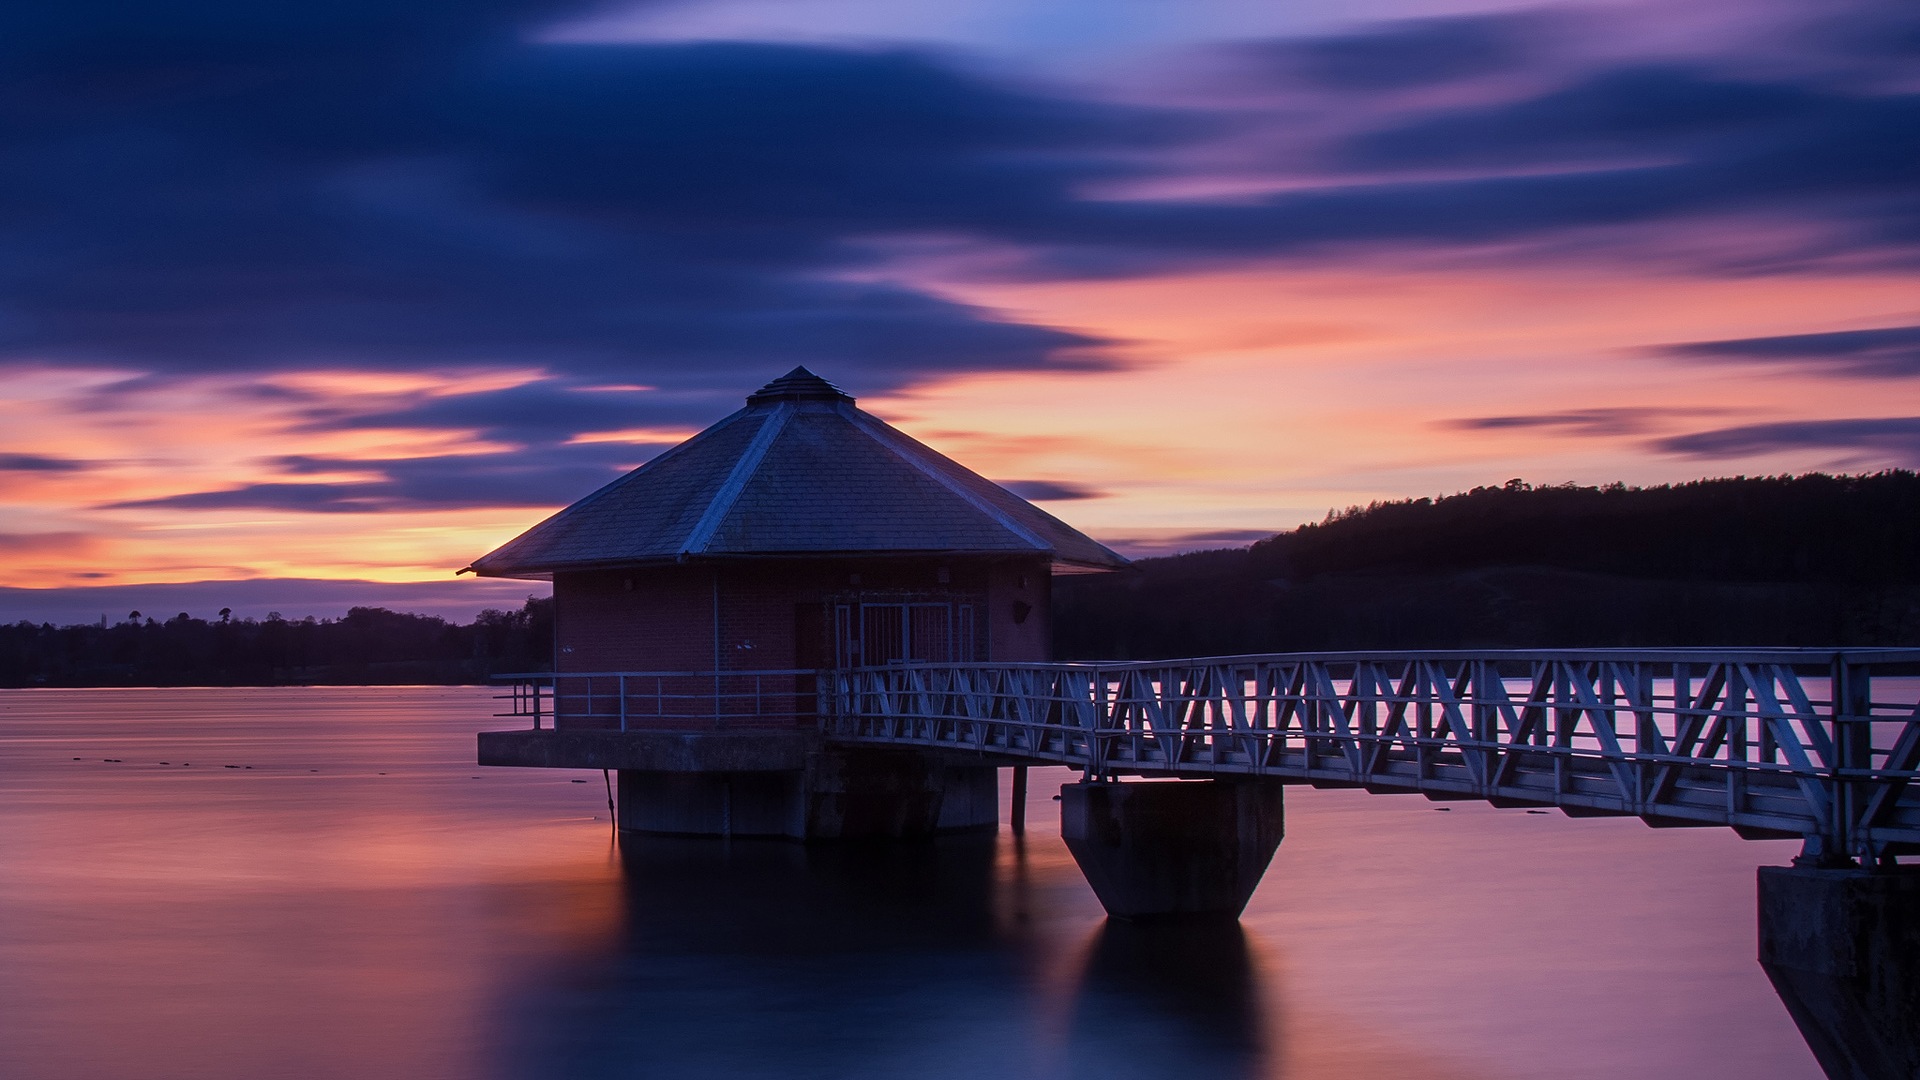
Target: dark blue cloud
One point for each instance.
(1657, 144)
(1611, 114)
(1050, 490)
(1150, 547)
(1882, 352)
(216, 186)
(544, 477)
(547, 411)
(40, 463)
(189, 193)
(1894, 438)
(1401, 55)
(1625, 420)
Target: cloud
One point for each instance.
(40, 543)
(1400, 55)
(543, 477)
(1614, 115)
(548, 410)
(41, 463)
(217, 187)
(1050, 490)
(392, 193)
(1628, 420)
(1895, 439)
(1882, 352)
(1155, 545)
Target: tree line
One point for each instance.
(1788, 560)
(369, 646)
(1759, 561)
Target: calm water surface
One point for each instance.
(320, 883)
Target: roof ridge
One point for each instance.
(878, 430)
(743, 470)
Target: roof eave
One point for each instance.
(545, 571)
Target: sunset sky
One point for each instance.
(331, 299)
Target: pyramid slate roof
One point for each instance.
(798, 472)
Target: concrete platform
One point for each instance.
(766, 783)
(651, 751)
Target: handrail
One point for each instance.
(1753, 739)
(663, 700)
(1773, 742)
(1796, 656)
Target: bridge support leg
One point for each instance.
(1172, 850)
(1842, 948)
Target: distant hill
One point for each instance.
(1802, 560)
(369, 646)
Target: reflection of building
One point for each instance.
(796, 534)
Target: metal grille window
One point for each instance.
(870, 634)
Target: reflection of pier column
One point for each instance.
(1172, 850)
(1842, 948)
(1174, 1000)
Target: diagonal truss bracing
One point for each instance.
(1747, 739)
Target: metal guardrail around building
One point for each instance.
(1818, 744)
(662, 700)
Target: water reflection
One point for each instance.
(363, 902)
(772, 959)
(1158, 995)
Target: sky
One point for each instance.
(310, 305)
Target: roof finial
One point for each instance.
(798, 385)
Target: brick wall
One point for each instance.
(662, 618)
(659, 619)
(1020, 612)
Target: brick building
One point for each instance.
(797, 534)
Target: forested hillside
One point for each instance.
(1807, 560)
(369, 646)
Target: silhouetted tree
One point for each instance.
(368, 645)
(1806, 560)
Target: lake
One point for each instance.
(318, 882)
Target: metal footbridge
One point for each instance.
(1817, 744)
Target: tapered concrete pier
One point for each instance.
(1176, 850)
(1842, 948)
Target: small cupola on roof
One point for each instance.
(799, 472)
(798, 385)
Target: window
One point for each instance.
(869, 633)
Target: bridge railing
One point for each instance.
(662, 700)
(1822, 744)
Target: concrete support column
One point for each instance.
(720, 804)
(1172, 850)
(896, 793)
(837, 795)
(1842, 947)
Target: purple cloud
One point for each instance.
(1896, 438)
(1881, 352)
